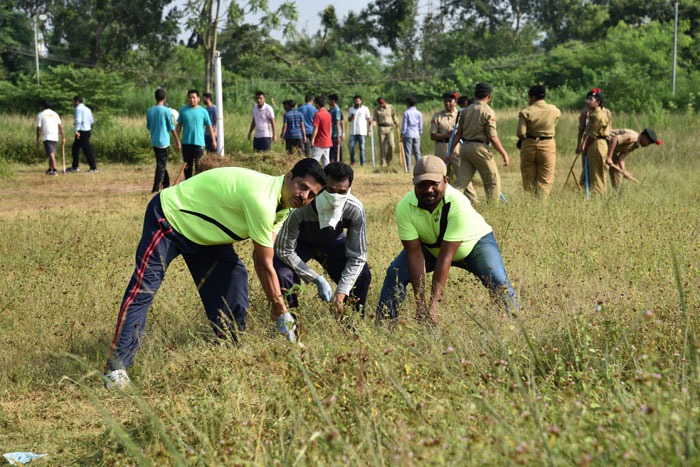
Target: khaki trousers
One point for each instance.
(441, 151)
(537, 160)
(615, 175)
(597, 152)
(476, 157)
(386, 144)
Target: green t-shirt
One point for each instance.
(193, 122)
(463, 222)
(224, 205)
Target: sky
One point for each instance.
(307, 11)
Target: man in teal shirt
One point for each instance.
(200, 219)
(159, 121)
(192, 121)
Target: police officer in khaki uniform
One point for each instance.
(620, 144)
(538, 151)
(595, 144)
(385, 117)
(441, 129)
(583, 121)
(477, 127)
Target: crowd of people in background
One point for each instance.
(463, 133)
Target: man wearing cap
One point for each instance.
(538, 151)
(317, 232)
(385, 117)
(442, 130)
(620, 144)
(477, 127)
(439, 228)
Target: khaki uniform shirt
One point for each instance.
(385, 117)
(478, 122)
(598, 124)
(583, 118)
(539, 119)
(444, 122)
(627, 141)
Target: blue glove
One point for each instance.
(324, 289)
(286, 326)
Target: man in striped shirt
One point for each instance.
(317, 231)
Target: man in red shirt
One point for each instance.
(321, 141)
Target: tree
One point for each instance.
(15, 32)
(105, 31)
(394, 25)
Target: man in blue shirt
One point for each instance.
(211, 110)
(337, 127)
(411, 129)
(159, 121)
(308, 110)
(192, 121)
(82, 129)
(293, 130)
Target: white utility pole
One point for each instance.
(219, 104)
(675, 47)
(41, 18)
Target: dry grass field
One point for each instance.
(601, 366)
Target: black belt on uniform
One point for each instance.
(601, 137)
(541, 138)
(384, 124)
(476, 141)
(443, 141)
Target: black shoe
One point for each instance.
(92, 171)
(72, 169)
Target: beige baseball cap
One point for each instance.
(429, 168)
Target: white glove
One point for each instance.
(286, 326)
(324, 289)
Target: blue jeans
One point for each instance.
(411, 146)
(484, 262)
(361, 140)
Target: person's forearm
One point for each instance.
(284, 130)
(611, 149)
(38, 134)
(416, 271)
(442, 269)
(313, 135)
(271, 286)
(252, 127)
(498, 146)
(578, 138)
(178, 128)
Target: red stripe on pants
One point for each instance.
(139, 279)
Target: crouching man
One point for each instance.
(200, 219)
(439, 228)
(317, 231)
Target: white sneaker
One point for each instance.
(117, 379)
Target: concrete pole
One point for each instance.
(36, 50)
(675, 47)
(219, 104)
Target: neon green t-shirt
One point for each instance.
(463, 222)
(224, 205)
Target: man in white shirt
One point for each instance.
(83, 121)
(360, 120)
(263, 123)
(48, 126)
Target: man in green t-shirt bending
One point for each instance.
(439, 228)
(200, 219)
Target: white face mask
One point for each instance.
(330, 208)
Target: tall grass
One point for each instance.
(600, 368)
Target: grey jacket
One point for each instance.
(302, 226)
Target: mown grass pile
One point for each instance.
(601, 366)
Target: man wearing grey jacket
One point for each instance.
(317, 231)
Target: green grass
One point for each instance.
(600, 368)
